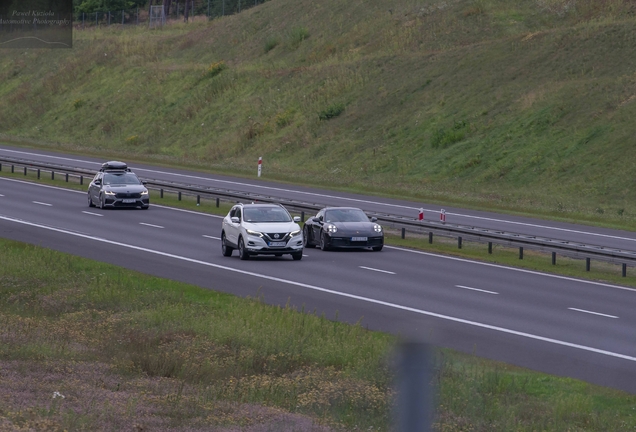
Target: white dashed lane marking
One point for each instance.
(212, 237)
(376, 270)
(92, 214)
(594, 313)
(41, 203)
(476, 289)
(150, 225)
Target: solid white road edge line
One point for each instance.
(338, 293)
(92, 214)
(476, 289)
(376, 270)
(340, 198)
(41, 203)
(388, 247)
(150, 225)
(594, 313)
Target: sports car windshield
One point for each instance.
(266, 214)
(346, 215)
(124, 178)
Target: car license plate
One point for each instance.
(128, 201)
(277, 244)
(359, 239)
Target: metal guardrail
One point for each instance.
(462, 232)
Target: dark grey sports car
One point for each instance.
(343, 227)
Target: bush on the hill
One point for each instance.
(332, 111)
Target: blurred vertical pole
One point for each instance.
(223, 9)
(414, 400)
(208, 9)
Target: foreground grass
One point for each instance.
(127, 351)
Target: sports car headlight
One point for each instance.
(145, 192)
(295, 233)
(377, 228)
(254, 233)
(331, 228)
(109, 192)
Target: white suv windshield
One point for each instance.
(266, 214)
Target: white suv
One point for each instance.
(261, 229)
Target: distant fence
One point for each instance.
(140, 16)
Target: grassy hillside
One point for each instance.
(525, 104)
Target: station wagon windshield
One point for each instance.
(124, 178)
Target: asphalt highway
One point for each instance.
(523, 225)
(548, 323)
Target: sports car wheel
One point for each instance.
(306, 241)
(243, 253)
(90, 201)
(225, 249)
(323, 242)
(377, 248)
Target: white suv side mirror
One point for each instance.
(235, 220)
(296, 218)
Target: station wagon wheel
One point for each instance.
(90, 201)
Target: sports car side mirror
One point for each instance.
(234, 219)
(374, 219)
(315, 219)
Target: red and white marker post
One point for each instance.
(420, 215)
(442, 216)
(260, 165)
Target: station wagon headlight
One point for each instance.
(145, 192)
(295, 233)
(331, 228)
(377, 228)
(254, 233)
(109, 192)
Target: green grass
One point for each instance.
(515, 106)
(130, 349)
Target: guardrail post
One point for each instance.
(0, 167)
(198, 199)
(52, 175)
(81, 180)
(161, 193)
(218, 202)
(624, 270)
(490, 247)
(38, 173)
(587, 264)
(66, 177)
(459, 242)
(179, 195)
(25, 170)
(403, 232)
(553, 258)
(520, 252)
(430, 237)
(302, 216)
(12, 169)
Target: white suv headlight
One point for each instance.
(295, 233)
(254, 233)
